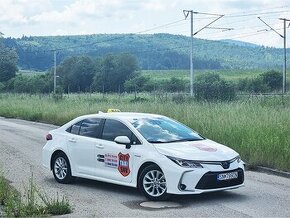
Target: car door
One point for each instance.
(81, 145)
(115, 161)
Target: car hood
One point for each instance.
(205, 150)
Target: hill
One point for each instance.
(153, 51)
(239, 43)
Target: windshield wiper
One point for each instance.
(185, 140)
(177, 140)
(157, 142)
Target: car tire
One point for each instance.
(61, 169)
(152, 183)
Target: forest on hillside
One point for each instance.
(153, 51)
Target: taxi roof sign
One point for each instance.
(110, 110)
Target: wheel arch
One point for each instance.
(56, 152)
(142, 167)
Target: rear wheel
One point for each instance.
(152, 183)
(61, 169)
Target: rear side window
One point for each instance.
(91, 128)
(114, 128)
(74, 129)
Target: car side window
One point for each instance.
(114, 128)
(91, 127)
(74, 129)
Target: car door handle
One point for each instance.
(100, 146)
(72, 140)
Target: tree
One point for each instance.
(76, 73)
(273, 79)
(29, 84)
(8, 63)
(211, 86)
(113, 71)
(268, 81)
(252, 85)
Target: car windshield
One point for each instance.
(164, 130)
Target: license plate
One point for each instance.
(227, 176)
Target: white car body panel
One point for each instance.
(81, 150)
(84, 152)
(197, 150)
(108, 168)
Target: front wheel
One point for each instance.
(152, 183)
(61, 169)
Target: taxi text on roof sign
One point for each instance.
(113, 110)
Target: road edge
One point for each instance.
(270, 171)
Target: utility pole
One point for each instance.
(285, 57)
(191, 12)
(285, 53)
(54, 73)
(186, 13)
(1, 35)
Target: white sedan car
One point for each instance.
(154, 153)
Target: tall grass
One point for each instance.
(34, 202)
(258, 128)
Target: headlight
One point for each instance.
(238, 158)
(186, 163)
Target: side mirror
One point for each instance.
(124, 140)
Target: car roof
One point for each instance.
(122, 115)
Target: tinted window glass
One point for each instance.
(76, 128)
(90, 128)
(114, 128)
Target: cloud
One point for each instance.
(154, 5)
(67, 17)
(19, 11)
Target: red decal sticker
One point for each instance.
(205, 148)
(123, 167)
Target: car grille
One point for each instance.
(209, 180)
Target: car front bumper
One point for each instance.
(200, 180)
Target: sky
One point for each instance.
(78, 17)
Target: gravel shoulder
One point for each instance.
(21, 144)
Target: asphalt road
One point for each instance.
(20, 155)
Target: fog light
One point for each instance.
(182, 186)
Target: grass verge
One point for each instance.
(33, 202)
(256, 127)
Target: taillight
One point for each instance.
(48, 137)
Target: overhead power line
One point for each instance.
(258, 10)
(270, 27)
(161, 26)
(255, 14)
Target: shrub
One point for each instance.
(265, 82)
(210, 86)
(273, 79)
(174, 85)
(139, 84)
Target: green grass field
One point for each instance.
(232, 75)
(257, 127)
(158, 75)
